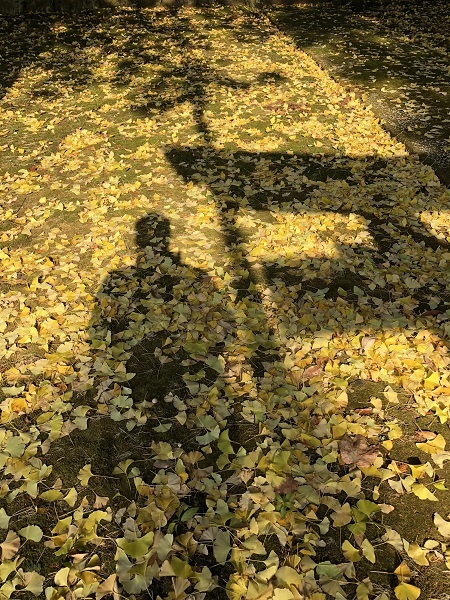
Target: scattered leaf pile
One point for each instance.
(208, 247)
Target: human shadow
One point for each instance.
(180, 357)
(150, 287)
(169, 325)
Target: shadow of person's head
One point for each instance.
(152, 229)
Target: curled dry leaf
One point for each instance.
(108, 587)
(364, 411)
(366, 343)
(100, 501)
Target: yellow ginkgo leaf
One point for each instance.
(350, 552)
(403, 572)
(406, 591)
(442, 525)
(85, 474)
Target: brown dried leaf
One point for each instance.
(289, 485)
(425, 435)
(357, 451)
(312, 371)
(10, 546)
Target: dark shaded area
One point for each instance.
(391, 53)
(60, 46)
(15, 7)
(20, 46)
(34, 42)
(260, 181)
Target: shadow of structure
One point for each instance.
(268, 184)
(398, 60)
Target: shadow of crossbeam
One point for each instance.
(397, 257)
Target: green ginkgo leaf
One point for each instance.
(136, 548)
(31, 532)
(221, 546)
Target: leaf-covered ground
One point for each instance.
(397, 53)
(225, 314)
